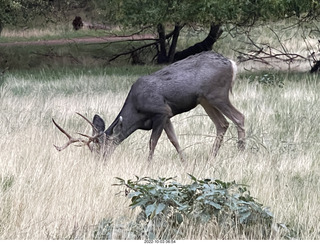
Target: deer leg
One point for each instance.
(237, 118)
(168, 128)
(158, 123)
(221, 126)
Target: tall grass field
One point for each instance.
(46, 194)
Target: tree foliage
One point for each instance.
(208, 13)
(167, 14)
(7, 11)
(22, 12)
(14, 12)
(153, 12)
(239, 12)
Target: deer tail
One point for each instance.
(234, 73)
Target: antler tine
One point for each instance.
(62, 130)
(71, 139)
(91, 139)
(92, 125)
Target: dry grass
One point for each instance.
(31, 33)
(49, 195)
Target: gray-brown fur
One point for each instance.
(205, 79)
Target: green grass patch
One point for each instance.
(68, 55)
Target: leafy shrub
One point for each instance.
(167, 203)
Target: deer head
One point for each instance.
(99, 141)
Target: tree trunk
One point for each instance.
(206, 45)
(1, 27)
(315, 67)
(162, 55)
(175, 36)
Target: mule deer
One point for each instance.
(205, 79)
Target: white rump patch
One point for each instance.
(234, 70)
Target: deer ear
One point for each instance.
(98, 122)
(117, 128)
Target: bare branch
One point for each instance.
(265, 53)
(133, 50)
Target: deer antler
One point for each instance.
(71, 139)
(74, 140)
(92, 125)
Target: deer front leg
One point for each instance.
(241, 138)
(158, 123)
(221, 126)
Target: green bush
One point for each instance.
(165, 202)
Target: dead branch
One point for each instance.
(130, 52)
(266, 54)
(136, 33)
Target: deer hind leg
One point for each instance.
(221, 125)
(237, 118)
(168, 128)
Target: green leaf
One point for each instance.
(192, 177)
(244, 216)
(138, 202)
(178, 217)
(267, 211)
(134, 194)
(150, 209)
(213, 204)
(205, 217)
(121, 180)
(160, 208)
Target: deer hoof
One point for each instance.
(241, 145)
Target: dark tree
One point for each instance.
(206, 45)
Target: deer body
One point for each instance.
(205, 79)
